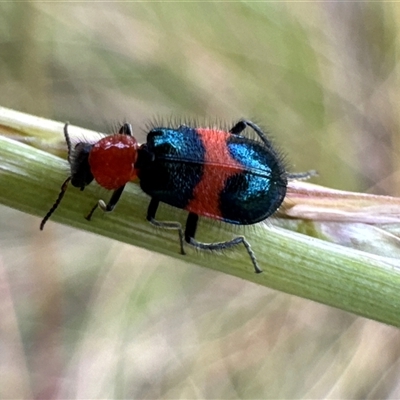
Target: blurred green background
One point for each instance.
(85, 317)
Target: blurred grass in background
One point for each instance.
(85, 317)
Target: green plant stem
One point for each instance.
(351, 280)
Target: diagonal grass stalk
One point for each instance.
(349, 279)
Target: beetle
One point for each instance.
(209, 172)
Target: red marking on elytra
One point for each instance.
(218, 167)
(112, 160)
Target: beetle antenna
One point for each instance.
(57, 202)
(68, 140)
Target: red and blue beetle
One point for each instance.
(213, 173)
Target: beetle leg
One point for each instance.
(151, 213)
(190, 231)
(110, 205)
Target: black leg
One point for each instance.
(220, 246)
(110, 205)
(152, 209)
(126, 129)
(190, 231)
(191, 226)
(238, 128)
(151, 213)
(241, 126)
(113, 201)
